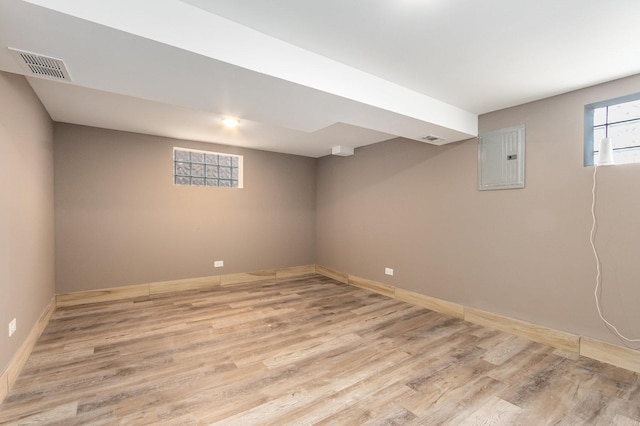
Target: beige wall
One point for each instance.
(26, 214)
(400, 204)
(523, 253)
(120, 220)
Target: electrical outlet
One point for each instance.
(218, 264)
(388, 271)
(12, 327)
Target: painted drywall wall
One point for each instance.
(522, 253)
(26, 215)
(120, 220)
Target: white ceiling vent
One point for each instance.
(38, 65)
(432, 139)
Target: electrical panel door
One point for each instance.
(501, 159)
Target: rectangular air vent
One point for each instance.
(437, 140)
(43, 66)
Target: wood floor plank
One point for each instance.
(624, 421)
(506, 349)
(301, 350)
(495, 412)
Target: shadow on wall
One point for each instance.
(373, 164)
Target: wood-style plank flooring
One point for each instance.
(302, 351)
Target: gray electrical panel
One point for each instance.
(501, 159)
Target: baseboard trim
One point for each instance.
(4, 386)
(618, 356)
(247, 277)
(548, 336)
(10, 375)
(295, 271)
(330, 273)
(375, 286)
(610, 354)
(164, 287)
(103, 295)
(437, 305)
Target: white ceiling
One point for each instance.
(305, 75)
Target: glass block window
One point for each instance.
(203, 168)
(618, 119)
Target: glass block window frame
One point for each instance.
(618, 119)
(205, 168)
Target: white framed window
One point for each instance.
(203, 168)
(617, 119)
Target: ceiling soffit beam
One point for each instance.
(181, 25)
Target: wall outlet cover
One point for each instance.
(388, 271)
(12, 327)
(218, 264)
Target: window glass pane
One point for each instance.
(598, 134)
(599, 116)
(182, 180)
(197, 157)
(625, 111)
(225, 172)
(212, 171)
(211, 159)
(625, 134)
(212, 182)
(181, 155)
(224, 160)
(197, 170)
(183, 169)
(627, 156)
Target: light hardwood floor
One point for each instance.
(302, 351)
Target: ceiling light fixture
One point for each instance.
(230, 123)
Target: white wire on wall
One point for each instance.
(595, 254)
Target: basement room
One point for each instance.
(392, 212)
